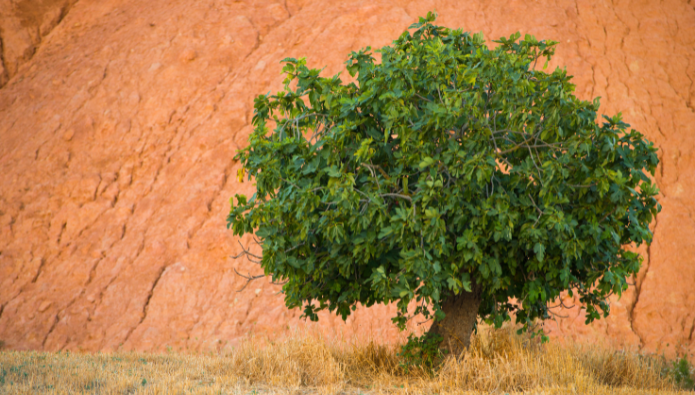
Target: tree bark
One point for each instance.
(461, 314)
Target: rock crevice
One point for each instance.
(24, 24)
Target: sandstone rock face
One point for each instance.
(23, 25)
(120, 118)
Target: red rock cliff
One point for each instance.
(119, 121)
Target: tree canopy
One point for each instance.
(446, 166)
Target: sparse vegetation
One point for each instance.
(497, 362)
(681, 371)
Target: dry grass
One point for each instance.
(499, 362)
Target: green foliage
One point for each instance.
(681, 372)
(444, 167)
(421, 352)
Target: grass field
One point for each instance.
(498, 362)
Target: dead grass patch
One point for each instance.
(498, 362)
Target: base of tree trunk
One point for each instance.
(457, 326)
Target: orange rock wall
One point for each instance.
(119, 120)
(23, 25)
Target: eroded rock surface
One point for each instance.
(23, 25)
(117, 134)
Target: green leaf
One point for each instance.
(333, 172)
(539, 249)
(466, 282)
(426, 162)
(385, 231)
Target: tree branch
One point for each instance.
(248, 278)
(397, 195)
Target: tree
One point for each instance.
(448, 174)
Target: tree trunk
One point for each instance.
(457, 326)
